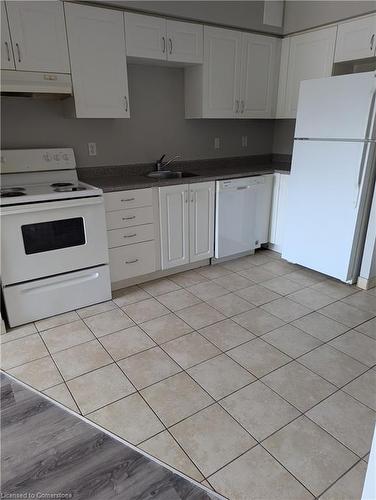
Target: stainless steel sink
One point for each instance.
(169, 174)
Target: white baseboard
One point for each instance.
(366, 284)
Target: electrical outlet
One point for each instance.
(217, 143)
(244, 141)
(92, 147)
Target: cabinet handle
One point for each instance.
(243, 106)
(130, 235)
(131, 261)
(126, 103)
(129, 218)
(170, 42)
(164, 44)
(371, 41)
(186, 196)
(8, 51)
(237, 106)
(128, 199)
(18, 52)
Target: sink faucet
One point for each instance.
(160, 165)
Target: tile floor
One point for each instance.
(255, 377)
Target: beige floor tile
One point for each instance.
(372, 291)
(313, 456)
(256, 275)
(257, 295)
(166, 328)
(349, 486)
(60, 319)
(362, 300)
(320, 326)
(176, 398)
(226, 334)
(368, 328)
(311, 298)
(21, 351)
(357, 346)
(220, 376)
(86, 312)
(212, 272)
(148, 367)
(230, 304)
(334, 289)
(364, 389)
(347, 420)
(286, 309)
(270, 253)
(126, 342)
(145, 310)
(207, 484)
(233, 282)
(279, 268)
(81, 358)
(258, 321)
(301, 387)
(212, 438)
(178, 300)
(65, 336)
(129, 295)
(108, 322)
(259, 410)
(188, 278)
(207, 290)
(61, 394)
(100, 387)
(200, 315)
(40, 374)
(17, 333)
(159, 286)
(282, 285)
(237, 264)
(130, 418)
(333, 365)
(257, 472)
(258, 357)
(291, 340)
(164, 447)
(306, 277)
(190, 349)
(346, 314)
(258, 258)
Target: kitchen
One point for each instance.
(169, 307)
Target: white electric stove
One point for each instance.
(54, 255)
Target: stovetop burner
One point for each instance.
(9, 194)
(6, 189)
(61, 184)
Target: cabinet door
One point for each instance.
(221, 72)
(201, 221)
(356, 39)
(99, 71)
(185, 42)
(311, 56)
(259, 75)
(146, 36)
(7, 61)
(173, 212)
(278, 213)
(38, 36)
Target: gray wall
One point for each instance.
(157, 125)
(283, 136)
(300, 15)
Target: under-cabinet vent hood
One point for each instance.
(35, 84)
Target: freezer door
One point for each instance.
(340, 107)
(325, 205)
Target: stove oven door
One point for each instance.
(50, 238)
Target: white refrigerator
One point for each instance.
(332, 175)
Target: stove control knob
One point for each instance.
(47, 157)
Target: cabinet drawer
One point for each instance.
(132, 260)
(128, 218)
(136, 234)
(128, 199)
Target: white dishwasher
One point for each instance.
(242, 214)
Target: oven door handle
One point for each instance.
(38, 207)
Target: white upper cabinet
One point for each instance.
(185, 42)
(146, 36)
(356, 39)
(7, 60)
(309, 56)
(201, 221)
(98, 58)
(155, 38)
(260, 58)
(38, 35)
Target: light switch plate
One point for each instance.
(92, 147)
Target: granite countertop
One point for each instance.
(121, 178)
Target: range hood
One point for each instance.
(31, 83)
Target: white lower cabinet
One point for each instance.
(278, 215)
(187, 223)
(132, 260)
